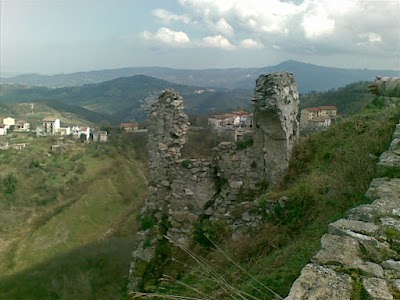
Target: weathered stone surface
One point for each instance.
(318, 282)
(387, 192)
(332, 251)
(340, 227)
(391, 264)
(396, 284)
(276, 105)
(377, 289)
(370, 269)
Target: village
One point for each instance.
(52, 126)
(238, 125)
(233, 126)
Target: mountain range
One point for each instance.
(124, 98)
(309, 77)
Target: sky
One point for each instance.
(64, 36)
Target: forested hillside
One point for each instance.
(125, 98)
(349, 99)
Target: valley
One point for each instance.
(68, 218)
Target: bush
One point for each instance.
(186, 163)
(148, 221)
(9, 184)
(243, 144)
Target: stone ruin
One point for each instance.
(224, 187)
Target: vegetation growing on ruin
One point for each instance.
(329, 173)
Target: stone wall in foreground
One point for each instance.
(362, 251)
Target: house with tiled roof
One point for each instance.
(315, 118)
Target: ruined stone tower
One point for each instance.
(167, 128)
(276, 130)
(183, 192)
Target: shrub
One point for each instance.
(9, 184)
(243, 144)
(186, 163)
(148, 221)
(34, 164)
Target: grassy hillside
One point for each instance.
(67, 219)
(329, 174)
(23, 111)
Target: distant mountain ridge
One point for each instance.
(309, 77)
(125, 98)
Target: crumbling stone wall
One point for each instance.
(182, 192)
(362, 249)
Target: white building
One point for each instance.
(314, 118)
(3, 130)
(8, 122)
(22, 126)
(64, 131)
(50, 125)
(78, 132)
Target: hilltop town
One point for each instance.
(51, 126)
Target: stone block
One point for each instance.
(332, 253)
(319, 282)
(377, 289)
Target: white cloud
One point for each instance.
(217, 41)
(168, 36)
(250, 43)
(224, 27)
(311, 27)
(167, 17)
(317, 22)
(369, 39)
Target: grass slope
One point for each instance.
(67, 219)
(23, 111)
(329, 173)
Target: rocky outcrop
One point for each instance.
(183, 192)
(365, 245)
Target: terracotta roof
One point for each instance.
(240, 113)
(328, 107)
